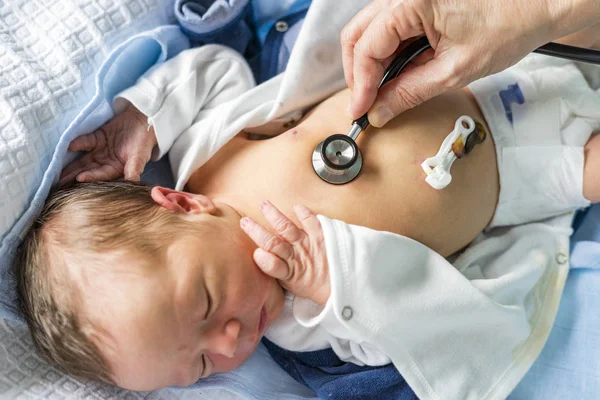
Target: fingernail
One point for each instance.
(263, 204)
(381, 116)
(301, 211)
(244, 222)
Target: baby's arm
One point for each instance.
(178, 93)
(121, 147)
(158, 109)
(463, 331)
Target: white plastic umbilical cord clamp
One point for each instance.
(437, 168)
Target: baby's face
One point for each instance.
(202, 309)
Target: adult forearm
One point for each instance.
(568, 16)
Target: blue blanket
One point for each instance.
(248, 27)
(567, 368)
(334, 379)
(122, 67)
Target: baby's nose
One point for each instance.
(225, 341)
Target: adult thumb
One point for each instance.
(408, 90)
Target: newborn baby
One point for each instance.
(151, 287)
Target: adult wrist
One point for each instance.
(569, 16)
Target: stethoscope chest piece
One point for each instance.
(337, 159)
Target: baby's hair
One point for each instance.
(85, 218)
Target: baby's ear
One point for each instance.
(182, 202)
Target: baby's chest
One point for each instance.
(281, 171)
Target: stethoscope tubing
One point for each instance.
(572, 53)
(340, 174)
(417, 47)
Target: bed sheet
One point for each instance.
(23, 375)
(49, 54)
(568, 368)
(569, 365)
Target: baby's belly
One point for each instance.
(391, 193)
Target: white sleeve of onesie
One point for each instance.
(177, 93)
(452, 334)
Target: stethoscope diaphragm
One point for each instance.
(337, 159)
(328, 159)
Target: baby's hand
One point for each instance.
(296, 257)
(121, 147)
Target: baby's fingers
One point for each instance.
(266, 240)
(76, 167)
(87, 142)
(134, 168)
(271, 264)
(282, 225)
(310, 222)
(104, 172)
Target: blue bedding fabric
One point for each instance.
(334, 379)
(264, 32)
(267, 51)
(122, 67)
(569, 365)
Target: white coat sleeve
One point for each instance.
(178, 93)
(452, 334)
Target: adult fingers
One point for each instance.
(350, 35)
(379, 41)
(266, 240)
(409, 89)
(377, 44)
(270, 264)
(282, 225)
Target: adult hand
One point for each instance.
(119, 148)
(470, 39)
(296, 257)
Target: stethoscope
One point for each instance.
(338, 160)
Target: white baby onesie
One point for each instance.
(467, 330)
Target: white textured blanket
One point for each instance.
(49, 53)
(55, 77)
